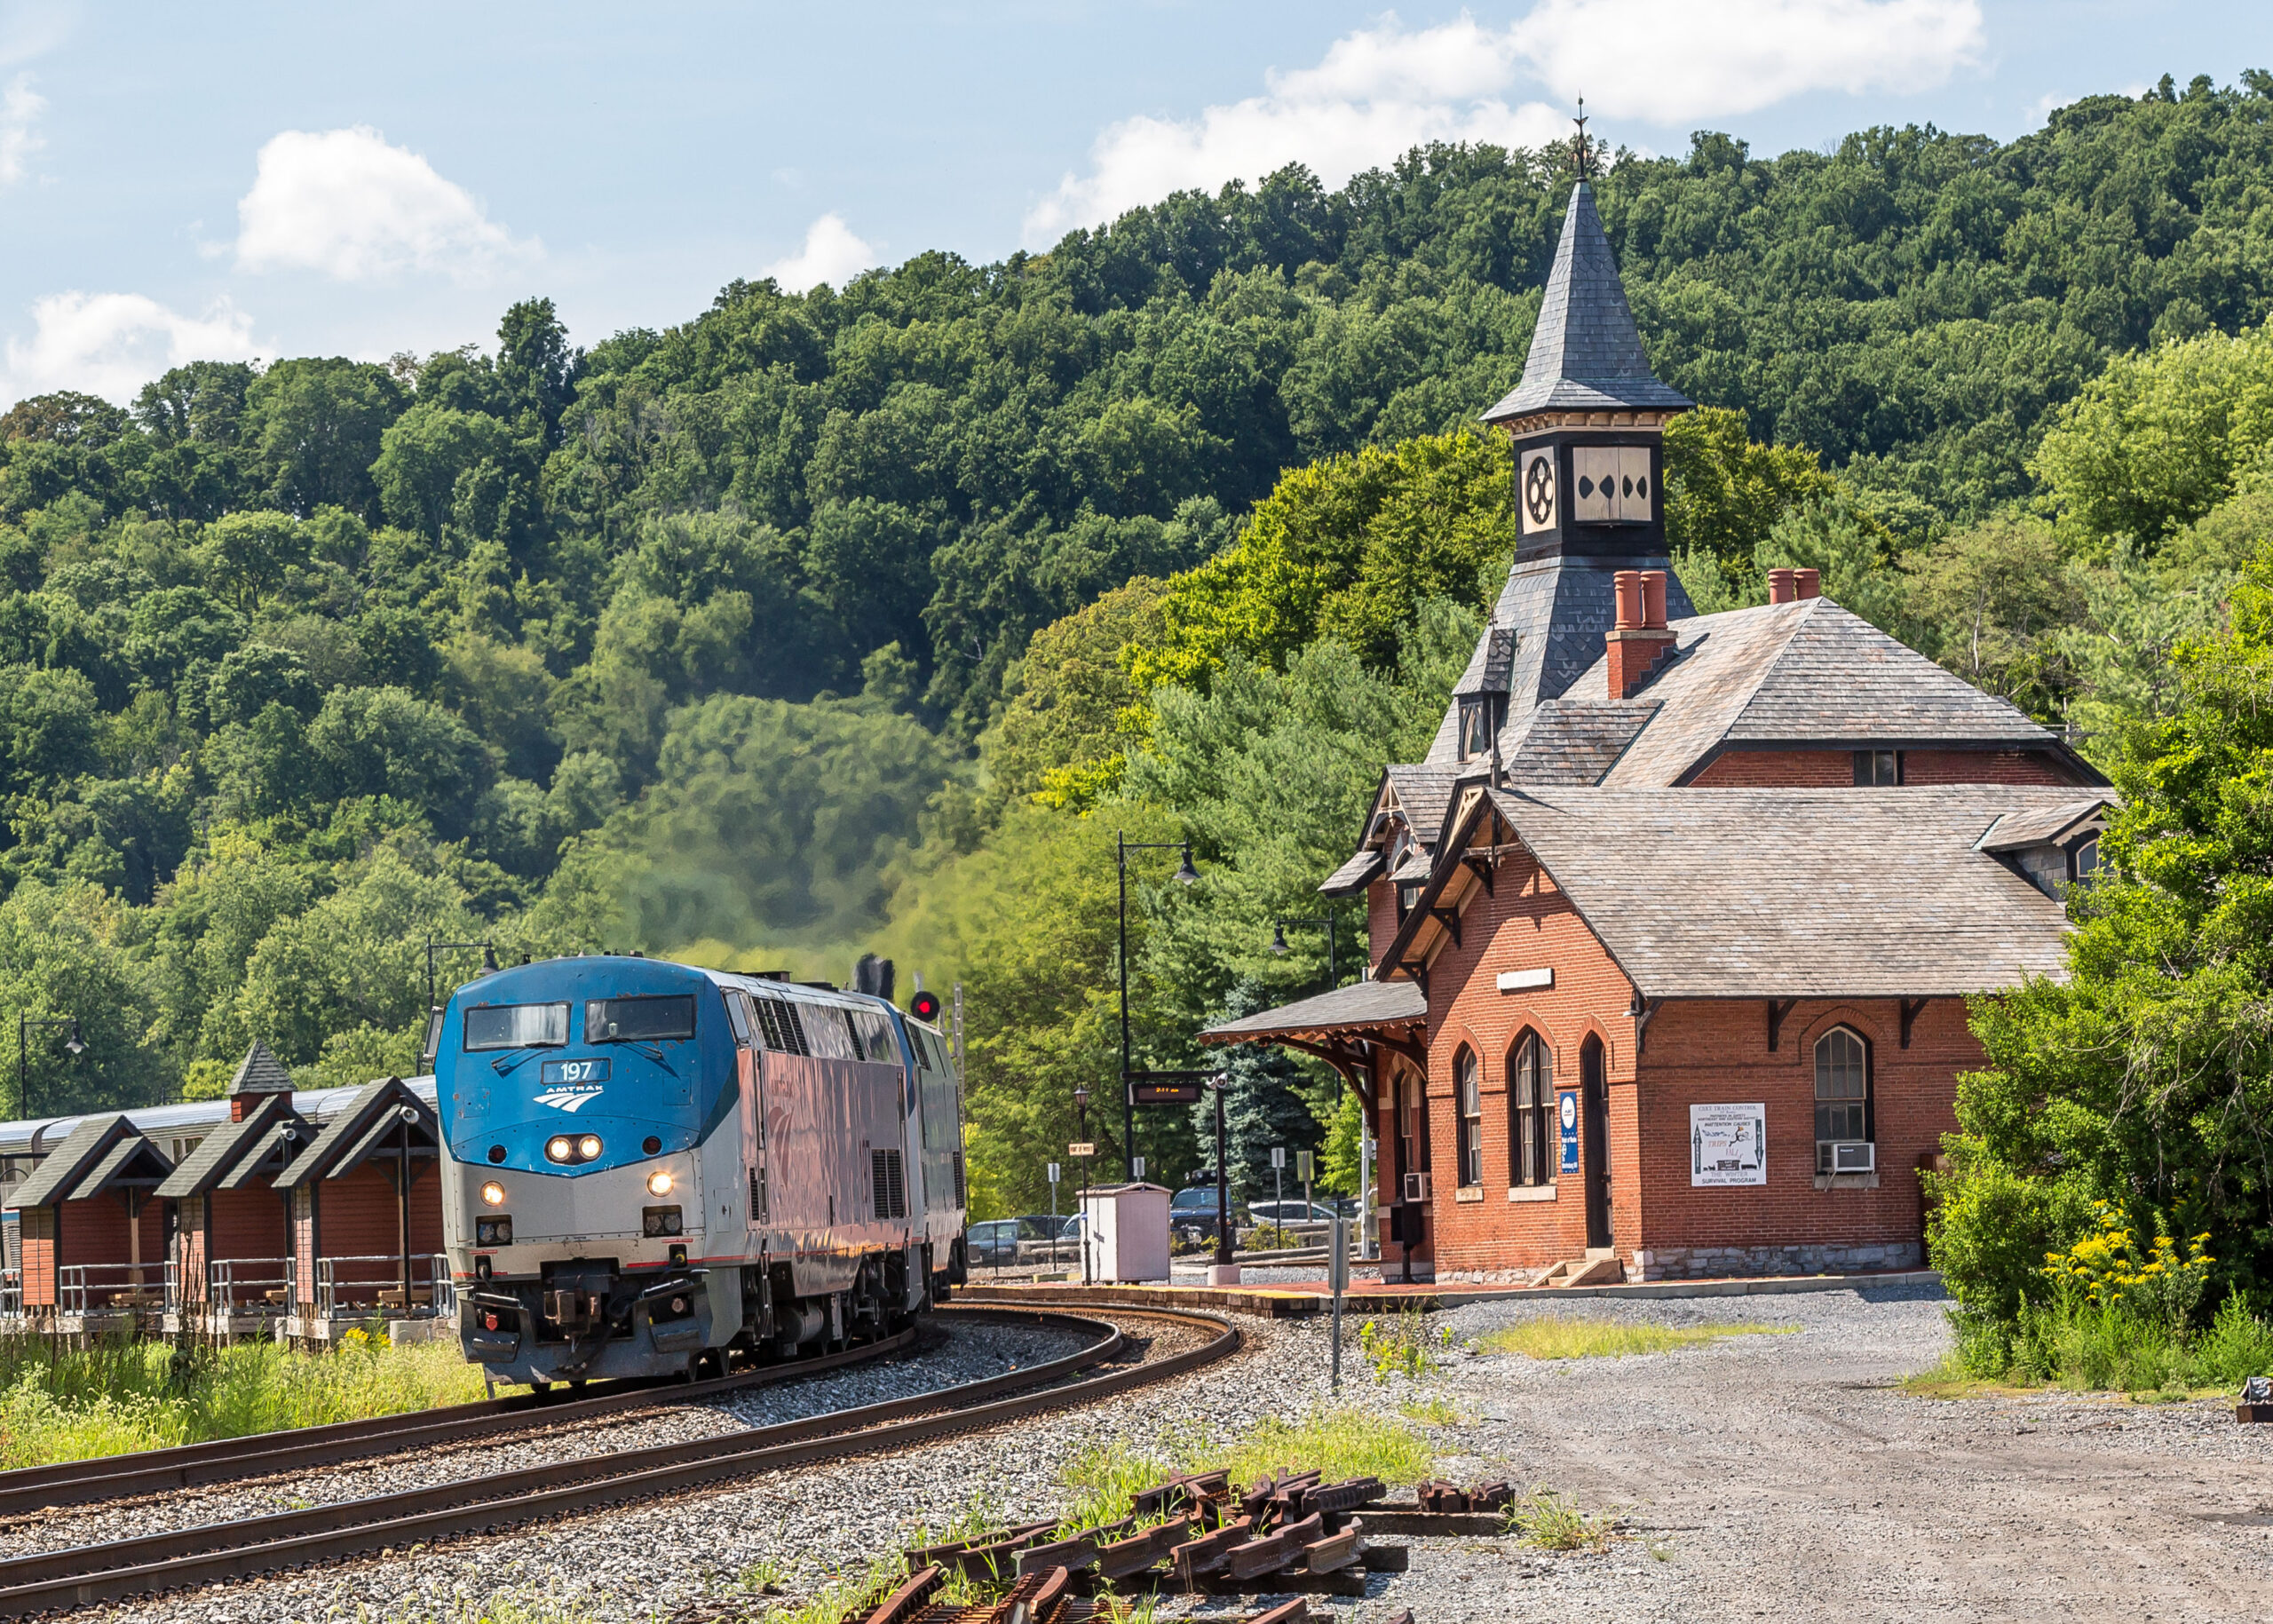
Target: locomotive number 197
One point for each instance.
(574, 1071)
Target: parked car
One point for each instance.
(1192, 1213)
(993, 1243)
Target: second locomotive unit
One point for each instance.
(652, 1168)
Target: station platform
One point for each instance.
(1297, 1299)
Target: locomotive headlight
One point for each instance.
(588, 1146)
(659, 1183)
(493, 1194)
(560, 1147)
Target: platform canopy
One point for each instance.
(1347, 1028)
(371, 1125)
(103, 1153)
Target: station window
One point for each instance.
(1531, 1101)
(1878, 768)
(1842, 1096)
(1468, 1081)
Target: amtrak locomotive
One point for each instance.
(654, 1168)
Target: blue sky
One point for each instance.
(253, 180)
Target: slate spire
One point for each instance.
(260, 1073)
(1585, 353)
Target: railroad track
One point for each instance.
(59, 1580)
(157, 1471)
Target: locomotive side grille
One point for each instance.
(958, 1201)
(757, 1193)
(891, 1183)
(778, 1023)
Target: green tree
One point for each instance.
(316, 428)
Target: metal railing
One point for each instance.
(85, 1288)
(373, 1282)
(12, 1291)
(224, 1287)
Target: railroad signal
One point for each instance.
(924, 1007)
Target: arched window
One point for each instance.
(1469, 1098)
(1531, 1108)
(1842, 1100)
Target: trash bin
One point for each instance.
(1127, 1233)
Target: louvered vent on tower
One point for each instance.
(778, 1023)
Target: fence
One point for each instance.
(261, 1294)
(354, 1287)
(88, 1288)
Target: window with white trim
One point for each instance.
(1842, 1095)
(1468, 1088)
(1530, 1103)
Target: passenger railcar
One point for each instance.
(652, 1168)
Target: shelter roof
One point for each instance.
(69, 1162)
(349, 1138)
(133, 1163)
(1345, 1008)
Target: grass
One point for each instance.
(1429, 1411)
(117, 1397)
(2086, 1349)
(1337, 1442)
(1559, 1337)
(1553, 1521)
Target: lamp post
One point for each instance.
(1186, 875)
(74, 1046)
(1218, 1085)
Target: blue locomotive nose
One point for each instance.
(578, 1065)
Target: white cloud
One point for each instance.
(832, 254)
(344, 203)
(1671, 61)
(20, 110)
(112, 344)
(1381, 91)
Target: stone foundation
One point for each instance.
(1723, 1262)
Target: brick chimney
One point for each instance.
(1807, 582)
(1641, 643)
(1783, 586)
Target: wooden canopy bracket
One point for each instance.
(1448, 917)
(1418, 971)
(1644, 1011)
(1910, 1010)
(1778, 1009)
(1482, 868)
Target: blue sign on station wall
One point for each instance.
(1567, 1116)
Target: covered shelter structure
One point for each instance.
(92, 1240)
(232, 1235)
(366, 1216)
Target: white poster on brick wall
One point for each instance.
(1727, 1144)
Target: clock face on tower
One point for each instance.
(1538, 490)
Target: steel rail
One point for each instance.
(83, 1576)
(152, 1471)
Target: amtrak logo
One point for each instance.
(570, 1098)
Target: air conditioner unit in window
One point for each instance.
(1416, 1186)
(1854, 1156)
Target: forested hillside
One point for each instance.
(715, 639)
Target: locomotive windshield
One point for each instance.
(517, 1026)
(632, 1021)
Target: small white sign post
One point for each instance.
(1278, 1186)
(1053, 1215)
(1337, 1281)
(1303, 1164)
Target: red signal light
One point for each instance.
(925, 1007)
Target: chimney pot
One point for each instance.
(1782, 586)
(1807, 582)
(1653, 599)
(1628, 583)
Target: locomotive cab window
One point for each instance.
(517, 1026)
(639, 1020)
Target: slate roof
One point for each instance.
(1354, 875)
(68, 1164)
(1572, 741)
(1367, 1004)
(1802, 673)
(1791, 893)
(260, 1071)
(2045, 825)
(133, 1161)
(1585, 352)
(217, 1155)
(1556, 610)
(1423, 792)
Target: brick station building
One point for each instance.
(1670, 935)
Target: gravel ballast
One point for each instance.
(1774, 1475)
